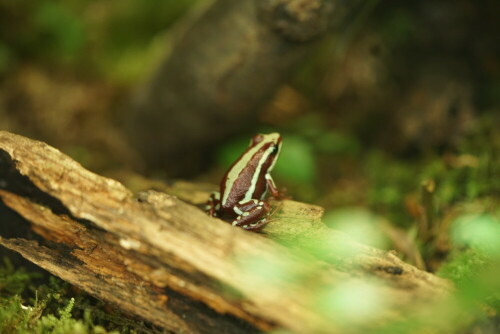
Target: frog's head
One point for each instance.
(273, 139)
(270, 143)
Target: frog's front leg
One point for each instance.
(213, 204)
(271, 187)
(251, 214)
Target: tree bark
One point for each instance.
(164, 260)
(225, 65)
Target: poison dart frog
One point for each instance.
(243, 188)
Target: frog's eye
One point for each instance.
(275, 149)
(256, 139)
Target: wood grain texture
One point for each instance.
(164, 260)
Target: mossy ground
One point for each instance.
(33, 301)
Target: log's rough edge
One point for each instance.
(107, 268)
(192, 253)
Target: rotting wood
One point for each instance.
(167, 262)
(98, 265)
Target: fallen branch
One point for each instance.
(167, 262)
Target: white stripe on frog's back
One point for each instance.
(233, 174)
(242, 162)
(274, 160)
(255, 177)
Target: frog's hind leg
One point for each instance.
(271, 214)
(251, 214)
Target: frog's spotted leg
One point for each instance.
(251, 214)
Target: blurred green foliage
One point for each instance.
(469, 173)
(399, 27)
(115, 39)
(359, 223)
(60, 33)
(5, 57)
(296, 164)
(474, 264)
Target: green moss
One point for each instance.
(474, 264)
(54, 307)
(13, 281)
(463, 265)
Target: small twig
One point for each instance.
(427, 221)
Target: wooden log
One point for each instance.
(159, 258)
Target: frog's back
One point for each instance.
(245, 186)
(246, 178)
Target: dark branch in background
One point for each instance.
(225, 66)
